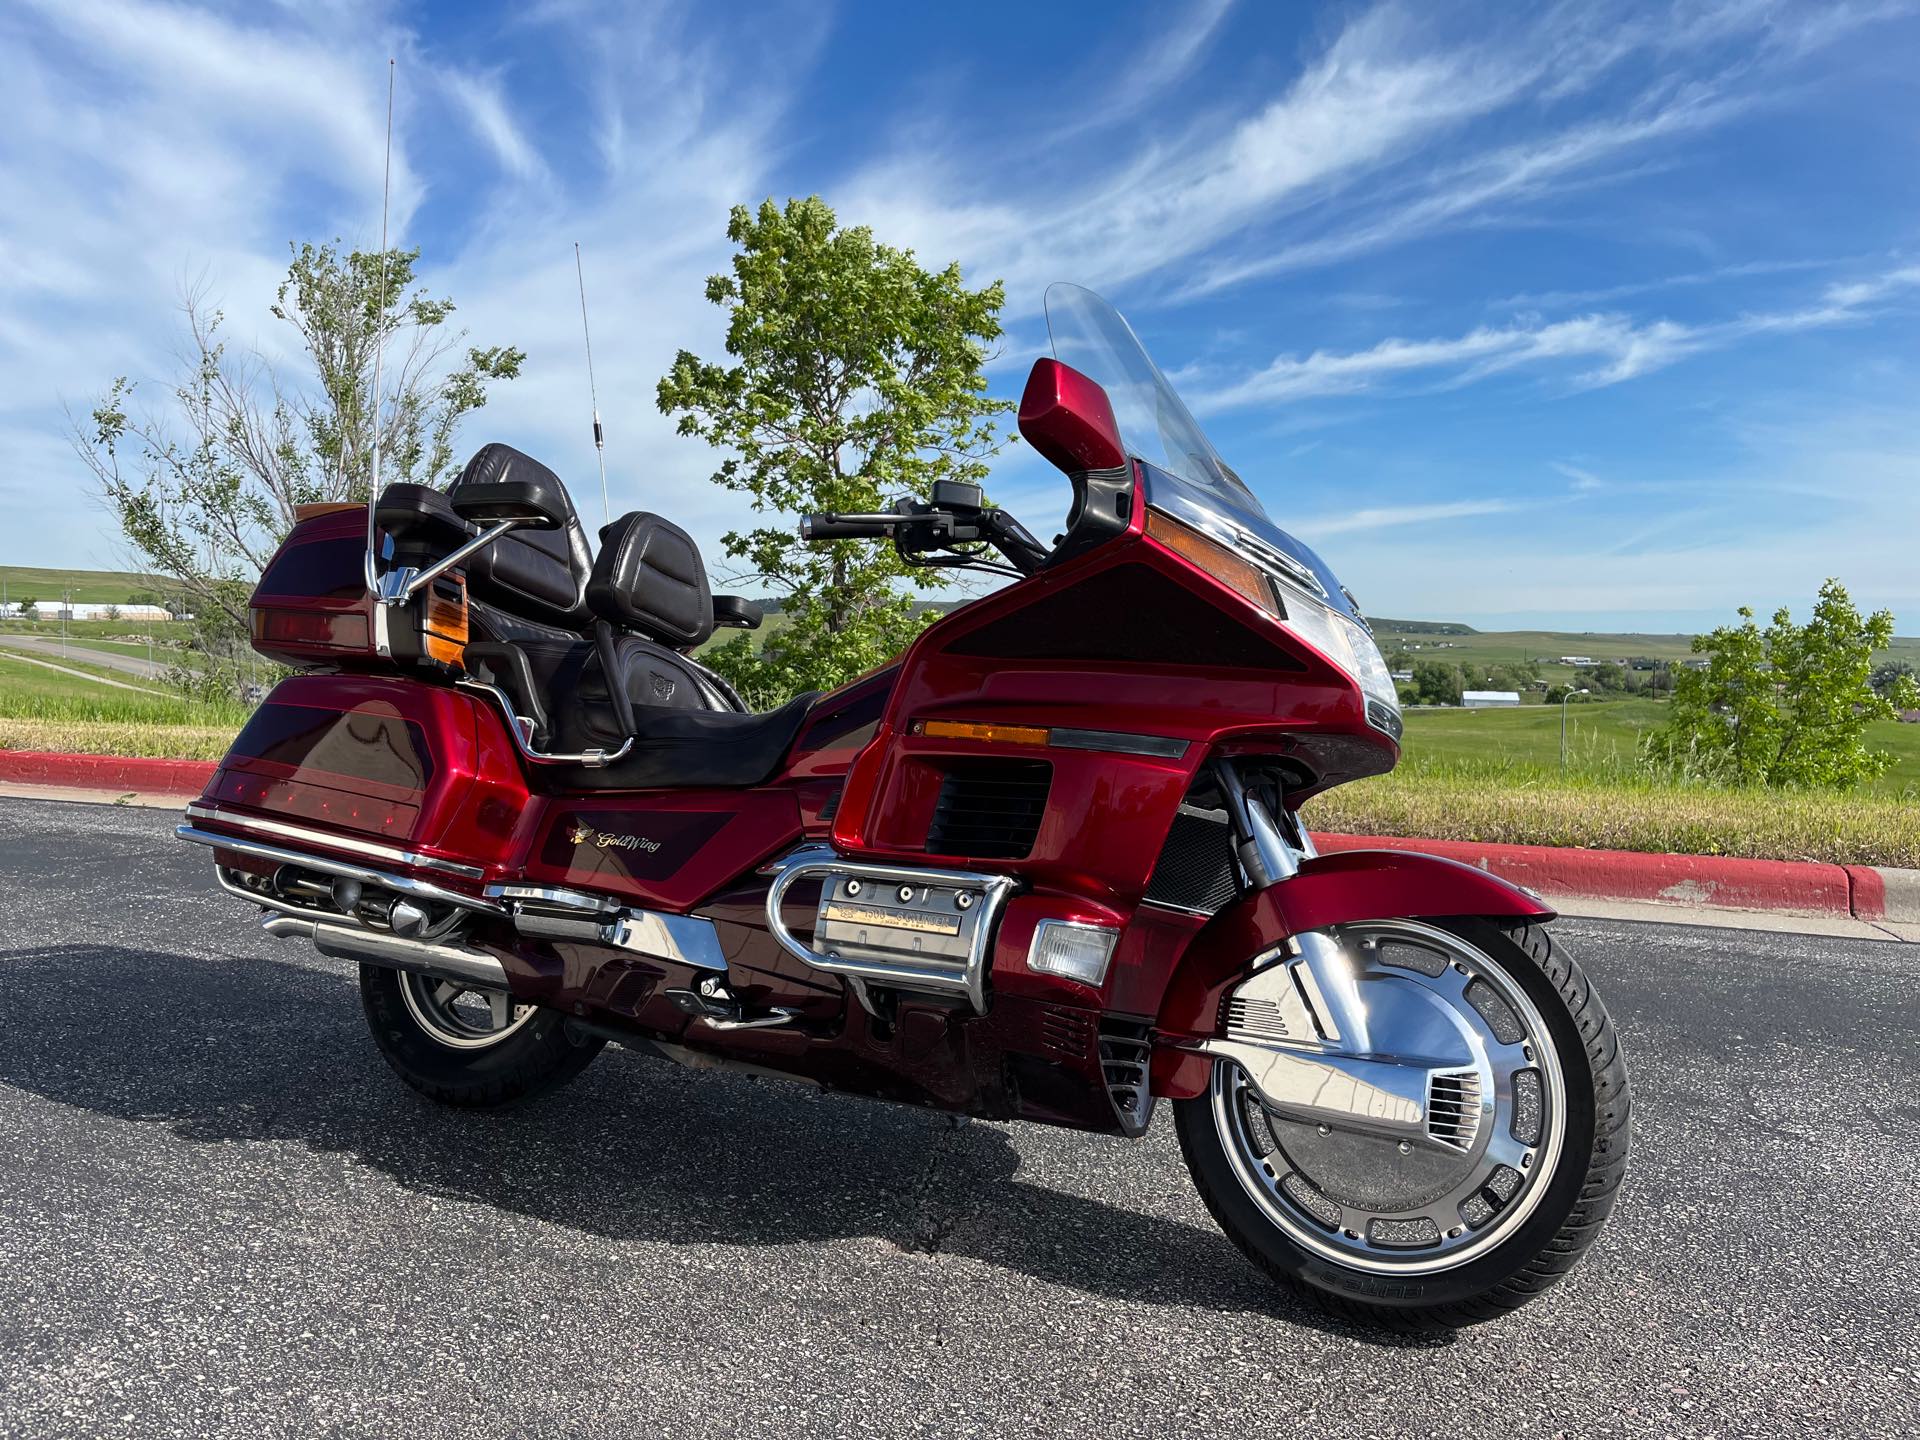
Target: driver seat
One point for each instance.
(651, 604)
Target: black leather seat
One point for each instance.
(649, 596)
(551, 623)
(528, 584)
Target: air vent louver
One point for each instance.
(989, 809)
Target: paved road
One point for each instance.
(219, 1215)
(46, 648)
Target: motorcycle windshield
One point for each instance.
(1192, 482)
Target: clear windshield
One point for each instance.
(1155, 425)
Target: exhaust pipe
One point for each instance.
(459, 963)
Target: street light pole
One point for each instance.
(1566, 695)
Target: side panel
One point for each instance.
(387, 758)
(1329, 890)
(663, 849)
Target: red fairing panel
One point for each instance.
(1329, 890)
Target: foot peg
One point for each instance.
(717, 1007)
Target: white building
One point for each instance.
(52, 609)
(1489, 699)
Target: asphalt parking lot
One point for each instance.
(221, 1215)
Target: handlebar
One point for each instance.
(848, 527)
(921, 529)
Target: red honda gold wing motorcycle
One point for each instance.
(1047, 865)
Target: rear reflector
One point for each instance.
(325, 629)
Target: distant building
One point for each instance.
(1489, 699)
(1576, 660)
(54, 610)
(1403, 675)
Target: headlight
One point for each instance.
(1348, 645)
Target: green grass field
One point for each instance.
(1602, 740)
(175, 631)
(87, 587)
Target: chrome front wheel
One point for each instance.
(1443, 1129)
(1494, 1124)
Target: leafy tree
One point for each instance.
(205, 485)
(29, 607)
(855, 377)
(1788, 705)
(1437, 683)
(113, 612)
(1887, 675)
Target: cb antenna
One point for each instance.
(593, 394)
(379, 345)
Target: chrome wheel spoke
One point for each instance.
(501, 1006)
(1503, 1149)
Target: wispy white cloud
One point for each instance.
(1615, 348)
(479, 96)
(1584, 481)
(1395, 130)
(1385, 517)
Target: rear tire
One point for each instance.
(1501, 1276)
(439, 1041)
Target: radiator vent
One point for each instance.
(1453, 1109)
(1066, 1032)
(989, 809)
(1126, 1052)
(1196, 868)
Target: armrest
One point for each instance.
(731, 612)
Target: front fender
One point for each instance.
(1328, 890)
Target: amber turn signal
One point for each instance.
(1234, 571)
(969, 730)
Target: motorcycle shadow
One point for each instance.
(244, 1049)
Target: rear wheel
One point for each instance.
(1525, 1145)
(467, 1046)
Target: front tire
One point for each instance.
(475, 1049)
(1292, 1208)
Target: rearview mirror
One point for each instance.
(1069, 419)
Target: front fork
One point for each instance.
(1298, 1026)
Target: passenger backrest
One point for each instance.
(540, 575)
(649, 578)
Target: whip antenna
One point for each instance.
(599, 435)
(379, 341)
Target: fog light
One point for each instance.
(1067, 947)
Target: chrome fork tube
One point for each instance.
(1265, 853)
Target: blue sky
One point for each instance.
(1579, 314)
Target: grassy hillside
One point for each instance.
(86, 587)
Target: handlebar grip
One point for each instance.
(844, 527)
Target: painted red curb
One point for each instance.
(1799, 887)
(106, 772)
(1869, 892)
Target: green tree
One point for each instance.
(1886, 676)
(205, 485)
(1784, 706)
(1437, 683)
(29, 607)
(855, 377)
